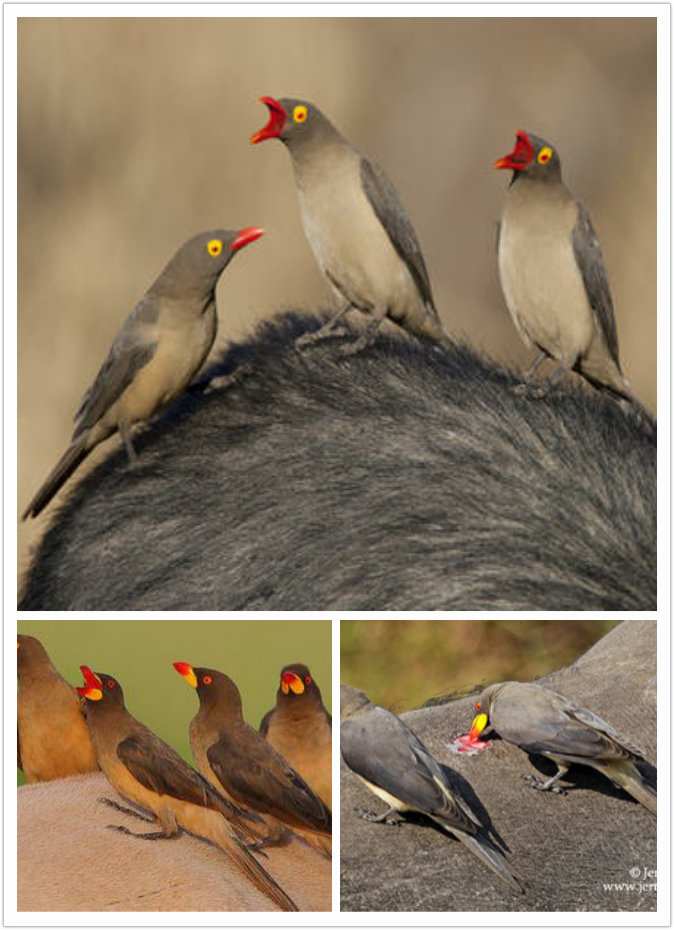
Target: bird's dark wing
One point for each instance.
(266, 720)
(258, 776)
(160, 769)
(391, 214)
(382, 750)
(590, 261)
(132, 349)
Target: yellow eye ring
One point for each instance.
(300, 113)
(214, 247)
(545, 155)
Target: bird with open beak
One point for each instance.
(541, 721)
(356, 226)
(148, 772)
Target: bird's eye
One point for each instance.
(214, 247)
(307, 680)
(207, 679)
(300, 113)
(545, 155)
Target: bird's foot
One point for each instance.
(310, 339)
(125, 810)
(543, 785)
(222, 382)
(158, 835)
(371, 817)
(534, 389)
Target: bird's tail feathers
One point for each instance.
(491, 858)
(628, 777)
(66, 465)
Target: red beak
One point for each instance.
(244, 236)
(277, 120)
(520, 157)
(288, 677)
(90, 681)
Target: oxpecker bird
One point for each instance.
(396, 766)
(552, 270)
(542, 721)
(160, 347)
(357, 227)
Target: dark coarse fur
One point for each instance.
(405, 477)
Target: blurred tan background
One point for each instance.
(401, 664)
(133, 134)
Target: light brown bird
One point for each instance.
(161, 346)
(241, 763)
(53, 738)
(356, 226)
(149, 773)
(300, 729)
(552, 270)
(542, 721)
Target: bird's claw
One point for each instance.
(541, 786)
(371, 817)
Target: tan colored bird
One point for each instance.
(241, 763)
(161, 346)
(149, 773)
(356, 226)
(542, 721)
(300, 729)
(552, 270)
(53, 738)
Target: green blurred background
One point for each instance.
(133, 134)
(401, 664)
(140, 654)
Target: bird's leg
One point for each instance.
(535, 365)
(158, 835)
(125, 430)
(126, 810)
(328, 331)
(382, 818)
(548, 785)
(364, 339)
(527, 387)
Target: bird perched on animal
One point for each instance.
(148, 772)
(242, 764)
(300, 729)
(357, 228)
(397, 767)
(552, 270)
(542, 721)
(53, 738)
(160, 347)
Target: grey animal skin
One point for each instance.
(542, 721)
(160, 347)
(357, 227)
(552, 270)
(397, 767)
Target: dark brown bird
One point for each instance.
(542, 721)
(241, 763)
(552, 270)
(300, 729)
(357, 227)
(53, 738)
(148, 772)
(161, 346)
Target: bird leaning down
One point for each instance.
(53, 738)
(357, 228)
(542, 721)
(396, 766)
(300, 729)
(160, 347)
(552, 271)
(242, 764)
(148, 772)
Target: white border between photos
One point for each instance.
(661, 917)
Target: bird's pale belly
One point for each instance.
(545, 294)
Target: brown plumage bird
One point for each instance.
(542, 721)
(241, 763)
(148, 772)
(53, 738)
(160, 347)
(300, 729)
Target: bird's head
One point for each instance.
(533, 157)
(199, 262)
(295, 680)
(293, 121)
(215, 689)
(100, 688)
